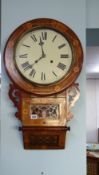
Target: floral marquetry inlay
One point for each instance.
(73, 94)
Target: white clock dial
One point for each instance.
(43, 56)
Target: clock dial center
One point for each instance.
(51, 61)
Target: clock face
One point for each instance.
(43, 56)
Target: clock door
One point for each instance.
(44, 111)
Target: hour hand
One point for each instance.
(43, 56)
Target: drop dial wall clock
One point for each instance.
(43, 58)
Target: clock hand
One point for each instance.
(36, 61)
(42, 56)
(41, 44)
(30, 66)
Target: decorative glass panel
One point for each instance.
(50, 111)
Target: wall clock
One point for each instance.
(43, 58)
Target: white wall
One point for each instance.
(92, 13)
(97, 102)
(92, 22)
(92, 110)
(16, 160)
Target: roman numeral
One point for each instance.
(54, 73)
(44, 35)
(61, 46)
(26, 66)
(61, 66)
(34, 38)
(26, 45)
(43, 77)
(54, 38)
(32, 73)
(23, 56)
(64, 56)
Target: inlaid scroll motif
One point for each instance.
(14, 94)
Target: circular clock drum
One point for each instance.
(43, 56)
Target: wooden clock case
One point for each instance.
(40, 131)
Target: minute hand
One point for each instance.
(41, 44)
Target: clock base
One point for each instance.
(44, 137)
(39, 130)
